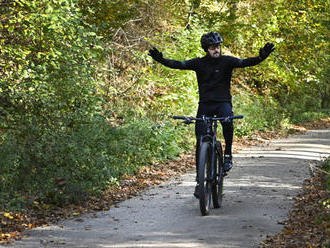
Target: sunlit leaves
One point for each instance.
(50, 39)
(47, 82)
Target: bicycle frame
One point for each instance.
(210, 173)
(211, 136)
(211, 131)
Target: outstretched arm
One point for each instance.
(174, 64)
(263, 54)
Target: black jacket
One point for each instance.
(213, 74)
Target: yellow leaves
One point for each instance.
(145, 69)
(28, 225)
(8, 215)
(326, 204)
(319, 45)
(6, 237)
(287, 232)
(7, 221)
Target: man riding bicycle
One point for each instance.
(214, 73)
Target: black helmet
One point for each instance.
(210, 39)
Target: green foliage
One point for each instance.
(46, 66)
(82, 103)
(88, 159)
(260, 114)
(47, 87)
(144, 141)
(179, 93)
(108, 16)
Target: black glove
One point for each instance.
(266, 50)
(155, 54)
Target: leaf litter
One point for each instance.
(308, 225)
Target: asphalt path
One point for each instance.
(259, 192)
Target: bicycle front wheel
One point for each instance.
(204, 174)
(217, 184)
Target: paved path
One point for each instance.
(258, 195)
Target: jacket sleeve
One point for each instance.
(182, 65)
(241, 63)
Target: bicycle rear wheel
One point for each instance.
(217, 184)
(204, 173)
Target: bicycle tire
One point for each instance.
(217, 184)
(204, 171)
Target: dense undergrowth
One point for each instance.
(82, 104)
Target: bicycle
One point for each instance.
(211, 171)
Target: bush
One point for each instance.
(70, 166)
(259, 113)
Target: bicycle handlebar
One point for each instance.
(206, 118)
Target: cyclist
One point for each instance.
(214, 72)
